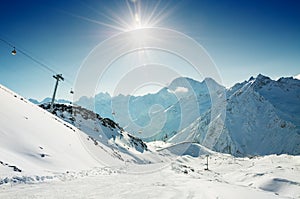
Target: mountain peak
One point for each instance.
(250, 79)
(259, 81)
(262, 77)
(181, 81)
(189, 82)
(209, 80)
(259, 78)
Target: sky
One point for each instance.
(243, 38)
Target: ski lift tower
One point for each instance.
(58, 77)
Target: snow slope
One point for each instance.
(35, 142)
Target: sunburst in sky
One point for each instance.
(132, 14)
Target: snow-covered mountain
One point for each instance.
(262, 117)
(258, 116)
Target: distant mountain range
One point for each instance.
(257, 117)
(48, 100)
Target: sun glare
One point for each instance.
(131, 14)
(139, 18)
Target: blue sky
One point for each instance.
(244, 38)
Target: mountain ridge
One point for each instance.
(186, 102)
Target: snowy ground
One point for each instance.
(228, 177)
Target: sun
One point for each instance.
(140, 15)
(132, 14)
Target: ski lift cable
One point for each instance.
(30, 57)
(49, 69)
(7, 43)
